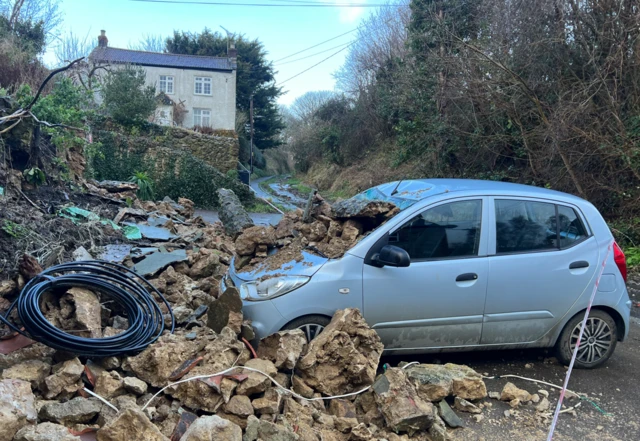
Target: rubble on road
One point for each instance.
(210, 379)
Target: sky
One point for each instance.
(282, 30)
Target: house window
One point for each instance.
(166, 84)
(202, 117)
(203, 86)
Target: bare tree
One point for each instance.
(46, 11)
(380, 38)
(304, 107)
(72, 47)
(150, 43)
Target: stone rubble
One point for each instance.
(42, 394)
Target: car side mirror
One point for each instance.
(391, 255)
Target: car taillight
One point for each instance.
(620, 259)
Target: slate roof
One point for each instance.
(127, 56)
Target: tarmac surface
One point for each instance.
(614, 388)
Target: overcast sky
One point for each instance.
(283, 31)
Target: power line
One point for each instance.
(320, 62)
(316, 45)
(313, 55)
(291, 5)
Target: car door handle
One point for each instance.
(579, 264)
(467, 277)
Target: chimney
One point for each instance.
(103, 41)
(232, 52)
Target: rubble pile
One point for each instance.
(210, 379)
(329, 231)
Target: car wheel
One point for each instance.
(311, 325)
(598, 340)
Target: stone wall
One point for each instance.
(219, 150)
(180, 162)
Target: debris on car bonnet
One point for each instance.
(330, 232)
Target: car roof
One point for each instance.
(419, 189)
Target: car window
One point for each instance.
(570, 227)
(446, 231)
(523, 226)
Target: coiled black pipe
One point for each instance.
(115, 282)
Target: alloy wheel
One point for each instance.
(596, 342)
(311, 330)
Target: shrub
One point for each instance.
(126, 97)
(145, 185)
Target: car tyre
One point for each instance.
(598, 341)
(311, 325)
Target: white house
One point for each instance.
(204, 87)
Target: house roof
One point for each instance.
(127, 56)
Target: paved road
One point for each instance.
(615, 387)
(258, 218)
(255, 185)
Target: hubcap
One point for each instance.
(596, 340)
(311, 330)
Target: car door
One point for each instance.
(543, 258)
(437, 301)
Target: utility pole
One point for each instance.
(251, 134)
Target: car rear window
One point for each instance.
(524, 226)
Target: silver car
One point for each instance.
(465, 265)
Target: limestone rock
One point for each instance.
(36, 351)
(283, 348)
(362, 208)
(156, 363)
(17, 407)
(128, 425)
(250, 238)
(342, 408)
(436, 382)
(256, 383)
(7, 287)
(265, 430)
(403, 409)
(226, 310)
(218, 355)
(344, 357)
(135, 385)
(212, 428)
(33, 371)
(511, 392)
(45, 432)
(438, 430)
(65, 379)
(239, 405)
(544, 405)
(77, 410)
(466, 406)
(271, 403)
(351, 230)
(87, 311)
(232, 214)
(109, 385)
(448, 415)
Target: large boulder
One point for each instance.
(344, 357)
(17, 407)
(435, 382)
(155, 364)
(212, 428)
(363, 208)
(232, 214)
(283, 348)
(128, 425)
(400, 404)
(247, 243)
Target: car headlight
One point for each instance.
(270, 288)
